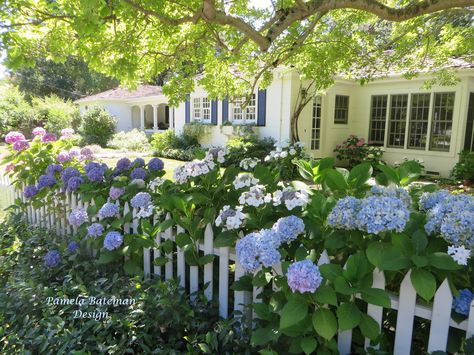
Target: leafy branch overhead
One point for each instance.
(233, 44)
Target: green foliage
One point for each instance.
(464, 168)
(134, 140)
(170, 145)
(16, 114)
(248, 145)
(56, 114)
(97, 127)
(355, 150)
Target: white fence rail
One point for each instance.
(225, 268)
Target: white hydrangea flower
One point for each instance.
(193, 168)
(138, 182)
(244, 180)
(230, 218)
(292, 151)
(145, 212)
(299, 144)
(283, 154)
(249, 163)
(291, 198)
(217, 153)
(459, 254)
(153, 185)
(256, 196)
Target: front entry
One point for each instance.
(469, 137)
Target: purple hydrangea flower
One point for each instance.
(73, 247)
(258, 248)
(53, 168)
(86, 154)
(113, 240)
(49, 137)
(47, 180)
(141, 199)
(67, 132)
(21, 145)
(95, 230)
(14, 136)
(74, 152)
(78, 217)
(156, 164)
(96, 175)
(303, 276)
(74, 183)
(92, 165)
(68, 173)
(39, 131)
(30, 191)
(288, 228)
(52, 258)
(116, 192)
(138, 162)
(343, 215)
(123, 164)
(462, 303)
(109, 209)
(63, 157)
(138, 173)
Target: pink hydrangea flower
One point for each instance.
(86, 154)
(49, 137)
(21, 145)
(39, 131)
(67, 133)
(361, 142)
(63, 157)
(14, 136)
(74, 152)
(9, 167)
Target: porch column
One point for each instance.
(155, 117)
(142, 117)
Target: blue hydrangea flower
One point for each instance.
(344, 214)
(123, 164)
(138, 173)
(116, 192)
(93, 165)
(96, 175)
(462, 303)
(303, 276)
(156, 164)
(109, 209)
(77, 217)
(288, 228)
(258, 248)
(458, 228)
(392, 191)
(379, 213)
(68, 173)
(53, 168)
(46, 181)
(138, 162)
(141, 199)
(52, 258)
(430, 199)
(73, 246)
(74, 183)
(113, 240)
(30, 191)
(247, 252)
(95, 230)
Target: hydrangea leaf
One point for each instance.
(325, 323)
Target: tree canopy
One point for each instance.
(232, 45)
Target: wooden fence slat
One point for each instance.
(180, 262)
(470, 322)
(223, 281)
(439, 329)
(376, 312)
(209, 267)
(405, 318)
(168, 235)
(146, 258)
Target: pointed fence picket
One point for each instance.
(439, 314)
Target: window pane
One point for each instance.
(378, 115)
(197, 108)
(341, 109)
(442, 121)
(397, 122)
(316, 124)
(250, 109)
(237, 110)
(419, 115)
(206, 109)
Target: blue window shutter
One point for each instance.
(214, 112)
(225, 110)
(262, 107)
(187, 110)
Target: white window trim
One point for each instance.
(200, 109)
(245, 120)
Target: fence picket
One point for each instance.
(168, 235)
(376, 312)
(180, 262)
(440, 318)
(470, 322)
(209, 267)
(146, 258)
(406, 315)
(156, 252)
(223, 281)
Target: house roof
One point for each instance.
(125, 94)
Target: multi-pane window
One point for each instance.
(316, 124)
(241, 114)
(341, 109)
(397, 121)
(378, 115)
(442, 122)
(419, 116)
(201, 109)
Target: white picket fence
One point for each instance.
(193, 279)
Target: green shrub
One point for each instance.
(135, 141)
(464, 169)
(16, 114)
(170, 145)
(55, 114)
(97, 127)
(246, 146)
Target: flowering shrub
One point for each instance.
(283, 156)
(356, 150)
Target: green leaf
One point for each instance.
(424, 283)
(225, 239)
(166, 224)
(443, 261)
(308, 345)
(420, 260)
(182, 239)
(334, 180)
(330, 271)
(390, 174)
(117, 224)
(342, 286)
(107, 257)
(419, 241)
(335, 240)
(386, 257)
(325, 295)
(262, 336)
(131, 267)
(369, 327)
(324, 323)
(376, 296)
(147, 228)
(160, 261)
(356, 267)
(359, 175)
(243, 284)
(294, 311)
(348, 316)
(206, 259)
(167, 246)
(262, 278)
(262, 310)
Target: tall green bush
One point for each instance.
(97, 127)
(170, 145)
(246, 146)
(16, 114)
(55, 114)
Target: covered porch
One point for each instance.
(151, 117)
